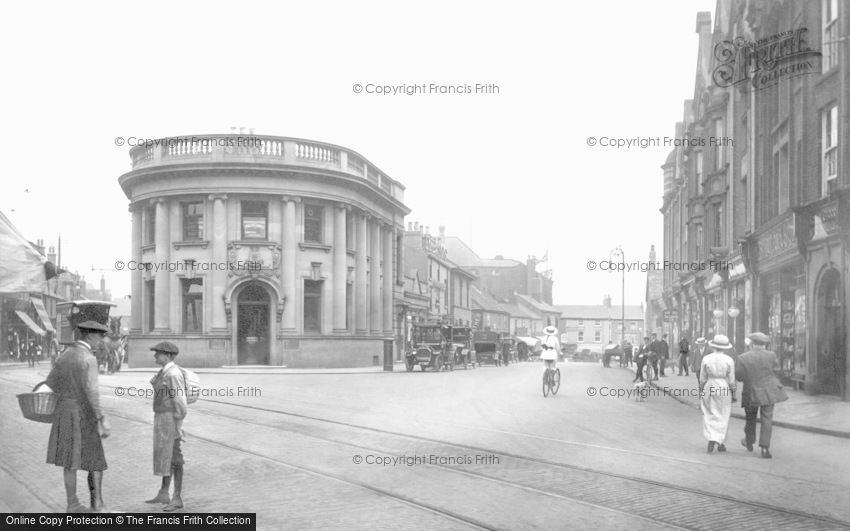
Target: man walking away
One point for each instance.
(699, 353)
(626, 358)
(663, 352)
(654, 353)
(761, 391)
(684, 348)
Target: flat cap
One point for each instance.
(93, 325)
(759, 337)
(167, 347)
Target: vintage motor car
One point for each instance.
(432, 347)
(464, 353)
(486, 344)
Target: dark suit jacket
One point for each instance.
(697, 355)
(761, 387)
(664, 349)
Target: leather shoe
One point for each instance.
(765, 453)
(721, 448)
(711, 446)
(749, 446)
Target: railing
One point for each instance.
(317, 153)
(260, 150)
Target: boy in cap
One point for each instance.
(169, 406)
(79, 424)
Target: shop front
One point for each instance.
(824, 230)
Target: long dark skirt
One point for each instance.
(74, 441)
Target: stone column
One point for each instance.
(218, 275)
(288, 262)
(339, 269)
(388, 311)
(136, 283)
(375, 316)
(361, 295)
(161, 294)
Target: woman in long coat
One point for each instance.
(717, 392)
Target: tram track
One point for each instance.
(589, 483)
(771, 517)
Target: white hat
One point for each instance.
(720, 342)
(550, 331)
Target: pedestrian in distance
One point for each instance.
(79, 423)
(761, 391)
(717, 392)
(654, 354)
(169, 406)
(699, 353)
(626, 358)
(663, 352)
(684, 348)
(642, 360)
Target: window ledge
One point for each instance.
(262, 243)
(351, 252)
(149, 247)
(318, 246)
(203, 244)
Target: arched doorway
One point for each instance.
(253, 335)
(831, 362)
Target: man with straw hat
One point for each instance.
(761, 391)
(717, 392)
(79, 424)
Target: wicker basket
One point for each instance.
(38, 406)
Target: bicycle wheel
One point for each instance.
(546, 383)
(556, 381)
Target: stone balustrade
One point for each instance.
(255, 149)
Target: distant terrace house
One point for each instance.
(488, 313)
(280, 251)
(592, 327)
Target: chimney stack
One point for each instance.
(606, 301)
(428, 230)
(51, 255)
(102, 285)
(442, 233)
(416, 226)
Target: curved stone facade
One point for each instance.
(254, 250)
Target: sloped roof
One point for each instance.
(519, 311)
(541, 306)
(485, 301)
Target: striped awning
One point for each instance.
(42, 314)
(27, 321)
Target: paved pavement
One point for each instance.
(813, 413)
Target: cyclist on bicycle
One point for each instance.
(551, 347)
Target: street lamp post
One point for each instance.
(733, 313)
(718, 313)
(619, 252)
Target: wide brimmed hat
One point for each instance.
(166, 347)
(759, 337)
(701, 341)
(720, 342)
(93, 326)
(550, 330)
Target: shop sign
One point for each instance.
(671, 315)
(788, 330)
(777, 240)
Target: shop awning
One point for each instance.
(27, 321)
(530, 341)
(42, 314)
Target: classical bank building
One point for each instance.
(259, 250)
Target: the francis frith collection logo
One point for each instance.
(766, 62)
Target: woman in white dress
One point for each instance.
(717, 392)
(551, 347)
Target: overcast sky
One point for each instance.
(509, 173)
